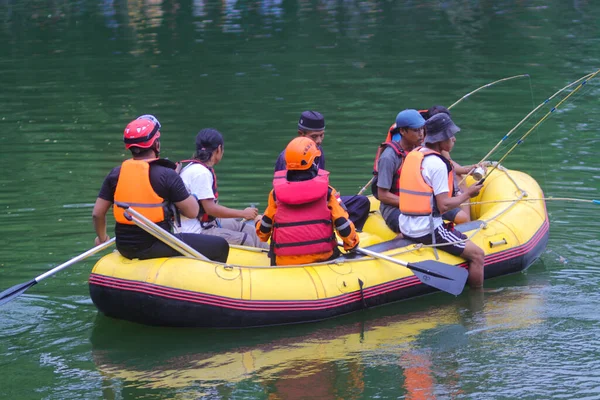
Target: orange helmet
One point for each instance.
(300, 154)
(142, 132)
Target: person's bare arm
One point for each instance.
(459, 169)
(387, 197)
(101, 207)
(445, 203)
(219, 211)
(189, 207)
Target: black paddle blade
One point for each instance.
(15, 291)
(445, 277)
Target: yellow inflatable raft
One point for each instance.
(247, 292)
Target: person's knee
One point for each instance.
(221, 249)
(478, 253)
(462, 217)
(365, 202)
(473, 252)
(392, 222)
(213, 247)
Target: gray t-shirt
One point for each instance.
(388, 164)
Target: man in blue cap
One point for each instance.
(426, 187)
(311, 124)
(409, 135)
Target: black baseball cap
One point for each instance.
(208, 139)
(311, 121)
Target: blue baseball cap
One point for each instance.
(409, 119)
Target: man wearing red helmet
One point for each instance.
(151, 184)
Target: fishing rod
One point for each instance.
(361, 191)
(525, 119)
(522, 139)
(487, 85)
(528, 115)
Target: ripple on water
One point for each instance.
(557, 356)
(33, 324)
(17, 318)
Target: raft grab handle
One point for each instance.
(498, 243)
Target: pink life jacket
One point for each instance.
(302, 224)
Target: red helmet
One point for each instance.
(141, 132)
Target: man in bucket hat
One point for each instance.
(463, 214)
(311, 124)
(426, 186)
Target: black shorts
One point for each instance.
(450, 215)
(392, 220)
(358, 209)
(213, 247)
(445, 235)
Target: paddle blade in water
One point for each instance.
(445, 277)
(15, 291)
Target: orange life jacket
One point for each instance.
(134, 189)
(204, 216)
(416, 196)
(399, 151)
(382, 146)
(302, 224)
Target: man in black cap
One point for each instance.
(200, 180)
(311, 124)
(426, 186)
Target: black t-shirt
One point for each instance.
(165, 182)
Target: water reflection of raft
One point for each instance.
(198, 361)
(247, 292)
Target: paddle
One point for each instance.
(445, 277)
(171, 240)
(17, 290)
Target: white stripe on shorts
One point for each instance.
(450, 237)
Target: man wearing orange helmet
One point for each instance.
(152, 185)
(303, 211)
(311, 124)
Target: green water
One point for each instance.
(73, 74)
